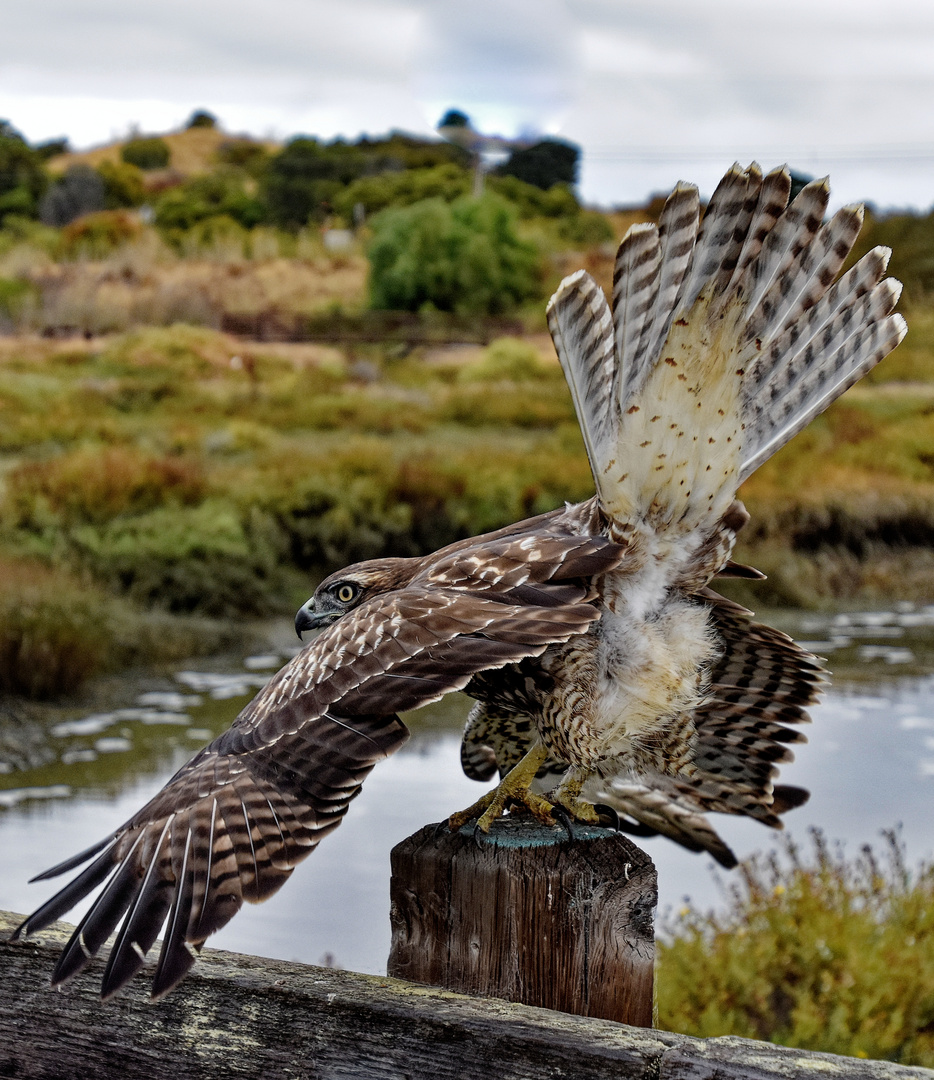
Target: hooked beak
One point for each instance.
(309, 619)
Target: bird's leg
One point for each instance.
(514, 787)
(568, 795)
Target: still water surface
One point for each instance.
(869, 765)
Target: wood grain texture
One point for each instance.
(241, 1016)
(524, 914)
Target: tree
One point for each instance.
(22, 178)
(201, 118)
(464, 257)
(304, 178)
(220, 193)
(544, 164)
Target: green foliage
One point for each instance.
(399, 151)
(219, 194)
(506, 358)
(544, 164)
(302, 181)
(15, 296)
(375, 193)
(146, 152)
(123, 184)
(588, 228)
(201, 118)
(911, 238)
(52, 148)
(22, 177)
(207, 559)
(244, 154)
(465, 257)
(819, 952)
(559, 201)
(54, 631)
(307, 179)
(95, 236)
(93, 485)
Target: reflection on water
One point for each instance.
(68, 778)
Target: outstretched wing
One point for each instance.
(726, 337)
(233, 823)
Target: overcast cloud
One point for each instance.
(653, 91)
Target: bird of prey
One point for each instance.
(589, 636)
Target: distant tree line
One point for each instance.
(414, 194)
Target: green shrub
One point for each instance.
(506, 358)
(587, 228)
(558, 201)
(123, 184)
(303, 180)
(221, 193)
(97, 235)
(22, 177)
(375, 193)
(206, 559)
(15, 298)
(819, 952)
(545, 163)
(201, 118)
(95, 485)
(244, 154)
(465, 257)
(146, 152)
(54, 631)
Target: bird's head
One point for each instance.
(346, 589)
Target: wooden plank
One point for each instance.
(239, 1016)
(527, 915)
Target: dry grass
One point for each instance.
(193, 151)
(145, 284)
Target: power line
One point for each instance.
(657, 155)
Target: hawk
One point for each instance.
(589, 636)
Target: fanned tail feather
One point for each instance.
(722, 343)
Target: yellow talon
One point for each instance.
(567, 794)
(514, 787)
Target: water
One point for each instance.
(71, 776)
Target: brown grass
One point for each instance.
(145, 284)
(193, 151)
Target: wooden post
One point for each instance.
(527, 915)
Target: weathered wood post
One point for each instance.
(527, 915)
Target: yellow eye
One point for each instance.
(346, 593)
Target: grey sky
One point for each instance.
(653, 91)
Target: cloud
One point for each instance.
(509, 64)
(652, 92)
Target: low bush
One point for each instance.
(55, 632)
(146, 152)
(124, 184)
(95, 484)
(507, 358)
(813, 950)
(375, 193)
(98, 235)
(206, 559)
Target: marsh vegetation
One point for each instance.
(209, 399)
